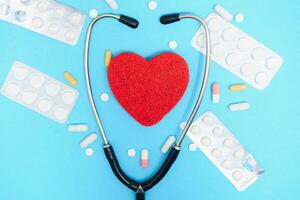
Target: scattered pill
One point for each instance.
(112, 4)
(215, 92)
(172, 44)
(193, 147)
(88, 140)
(223, 12)
(89, 152)
(70, 78)
(182, 125)
(144, 158)
(239, 17)
(78, 127)
(108, 57)
(239, 106)
(170, 140)
(152, 5)
(237, 87)
(93, 13)
(131, 152)
(104, 97)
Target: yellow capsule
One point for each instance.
(108, 56)
(237, 87)
(70, 78)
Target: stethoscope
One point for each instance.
(137, 187)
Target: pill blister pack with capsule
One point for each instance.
(39, 92)
(224, 150)
(238, 52)
(46, 17)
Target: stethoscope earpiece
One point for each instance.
(129, 21)
(169, 18)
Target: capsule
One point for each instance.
(237, 87)
(108, 56)
(70, 78)
(144, 158)
(215, 92)
(78, 127)
(239, 106)
(165, 148)
(88, 140)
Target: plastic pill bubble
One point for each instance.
(43, 6)
(12, 89)
(60, 113)
(70, 35)
(239, 154)
(36, 80)
(216, 152)
(261, 78)
(228, 143)
(244, 44)
(28, 97)
(226, 164)
(76, 19)
(58, 12)
(53, 28)
(89, 152)
(195, 130)
(272, 63)
(192, 147)
(93, 13)
(218, 131)
(52, 89)
(214, 24)
(247, 69)
(20, 73)
(4, 9)
(218, 50)
(182, 125)
(229, 34)
(104, 97)
(237, 175)
(25, 2)
(207, 120)
(205, 141)
(258, 53)
(20, 15)
(152, 5)
(68, 97)
(44, 105)
(37, 22)
(172, 44)
(233, 59)
(131, 152)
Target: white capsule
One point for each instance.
(239, 106)
(112, 4)
(223, 12)
(170, 140)
(144, 158)
(78, 127)
(88, 140)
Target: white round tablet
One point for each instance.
(205, 141)
(28, 97)
(53, 28)
(237, 175)
(239, 17)
(104, 97)
(131, 152)
(76, 19)
(172, 44)
(37, 22)
(218, 50)
(195, 130)
(247, 69)
(217, 131)
(193, 147)
(216, 152)
(60, 113)
(36, 80)
(261, 78)
(152, 5)
(228, 143)
(44, 105)
(12, 89)
(182, 125)
(89, 152)
(272, 63)
(239, 154)
(229, 34)
(52, 89)
(20, 73)
(93, 13)
(68, 97)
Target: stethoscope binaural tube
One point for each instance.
(141, 188)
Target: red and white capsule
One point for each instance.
(215, 91)
(144, 158)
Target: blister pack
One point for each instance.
(225, 151)
(39, 92)
(238, 52)
(47, 17)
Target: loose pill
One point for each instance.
(88, 140)
(239, 106)
(170, 140)
(182, 125)
(89, 152)
(70, 78)
(172, 44)
(192, 147)
(93, 13)
(104, 97)
(223, 13)
(152, 5)
(78, 127)
(131, 152)
(237, 87)
(112, 4)
(144, 158)
(108, 57)
(215, 92)
(239, 17)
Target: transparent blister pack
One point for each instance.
(224, 151)
(39, 92)
(47, 17)
(238, 52)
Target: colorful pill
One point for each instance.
(88, 140)
(78, 127)
(144, 158)
(165, 148)
(108, 56)
(215, 92)
(70, 78)
(239, 106)
(237, 87)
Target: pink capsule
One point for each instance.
(215, 92)
(144, 158)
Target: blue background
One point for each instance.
(40, 159)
